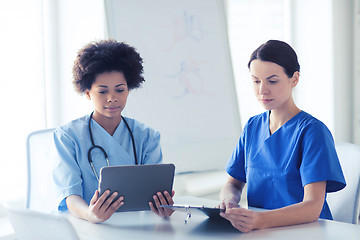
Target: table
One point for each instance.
(147, 225)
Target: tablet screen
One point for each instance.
(137, 183)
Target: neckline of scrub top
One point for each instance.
(119, 129)
(109, 140)
(283, 126)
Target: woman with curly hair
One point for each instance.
(105, 72)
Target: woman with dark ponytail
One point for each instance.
(286, 157)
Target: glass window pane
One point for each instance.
(22, 89)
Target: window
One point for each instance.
(22, 94)
(251, 23)
(34, 40)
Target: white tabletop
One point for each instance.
(147, 225)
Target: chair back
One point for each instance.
(345, 204)
(29, 224)
(40, 187)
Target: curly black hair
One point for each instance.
(106, 56)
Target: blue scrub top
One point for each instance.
(277, 167)
(72, 172)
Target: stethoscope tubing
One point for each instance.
(94, 146)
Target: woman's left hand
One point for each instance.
(162, 199)
(243, 219)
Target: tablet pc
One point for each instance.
(210, 212)
(137, 183)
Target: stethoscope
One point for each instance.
(101, 149)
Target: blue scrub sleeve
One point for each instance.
(151, 149)
(236, 164)
(320, 161)
(66, 172)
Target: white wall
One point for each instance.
(356, 71)
(342, 69)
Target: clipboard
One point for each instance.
(208, 211)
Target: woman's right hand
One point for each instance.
(230, 194)
(101, 208)
(226, 204)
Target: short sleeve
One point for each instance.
(151, 150)
(236, 164)
(320, 161)
(66, 172)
